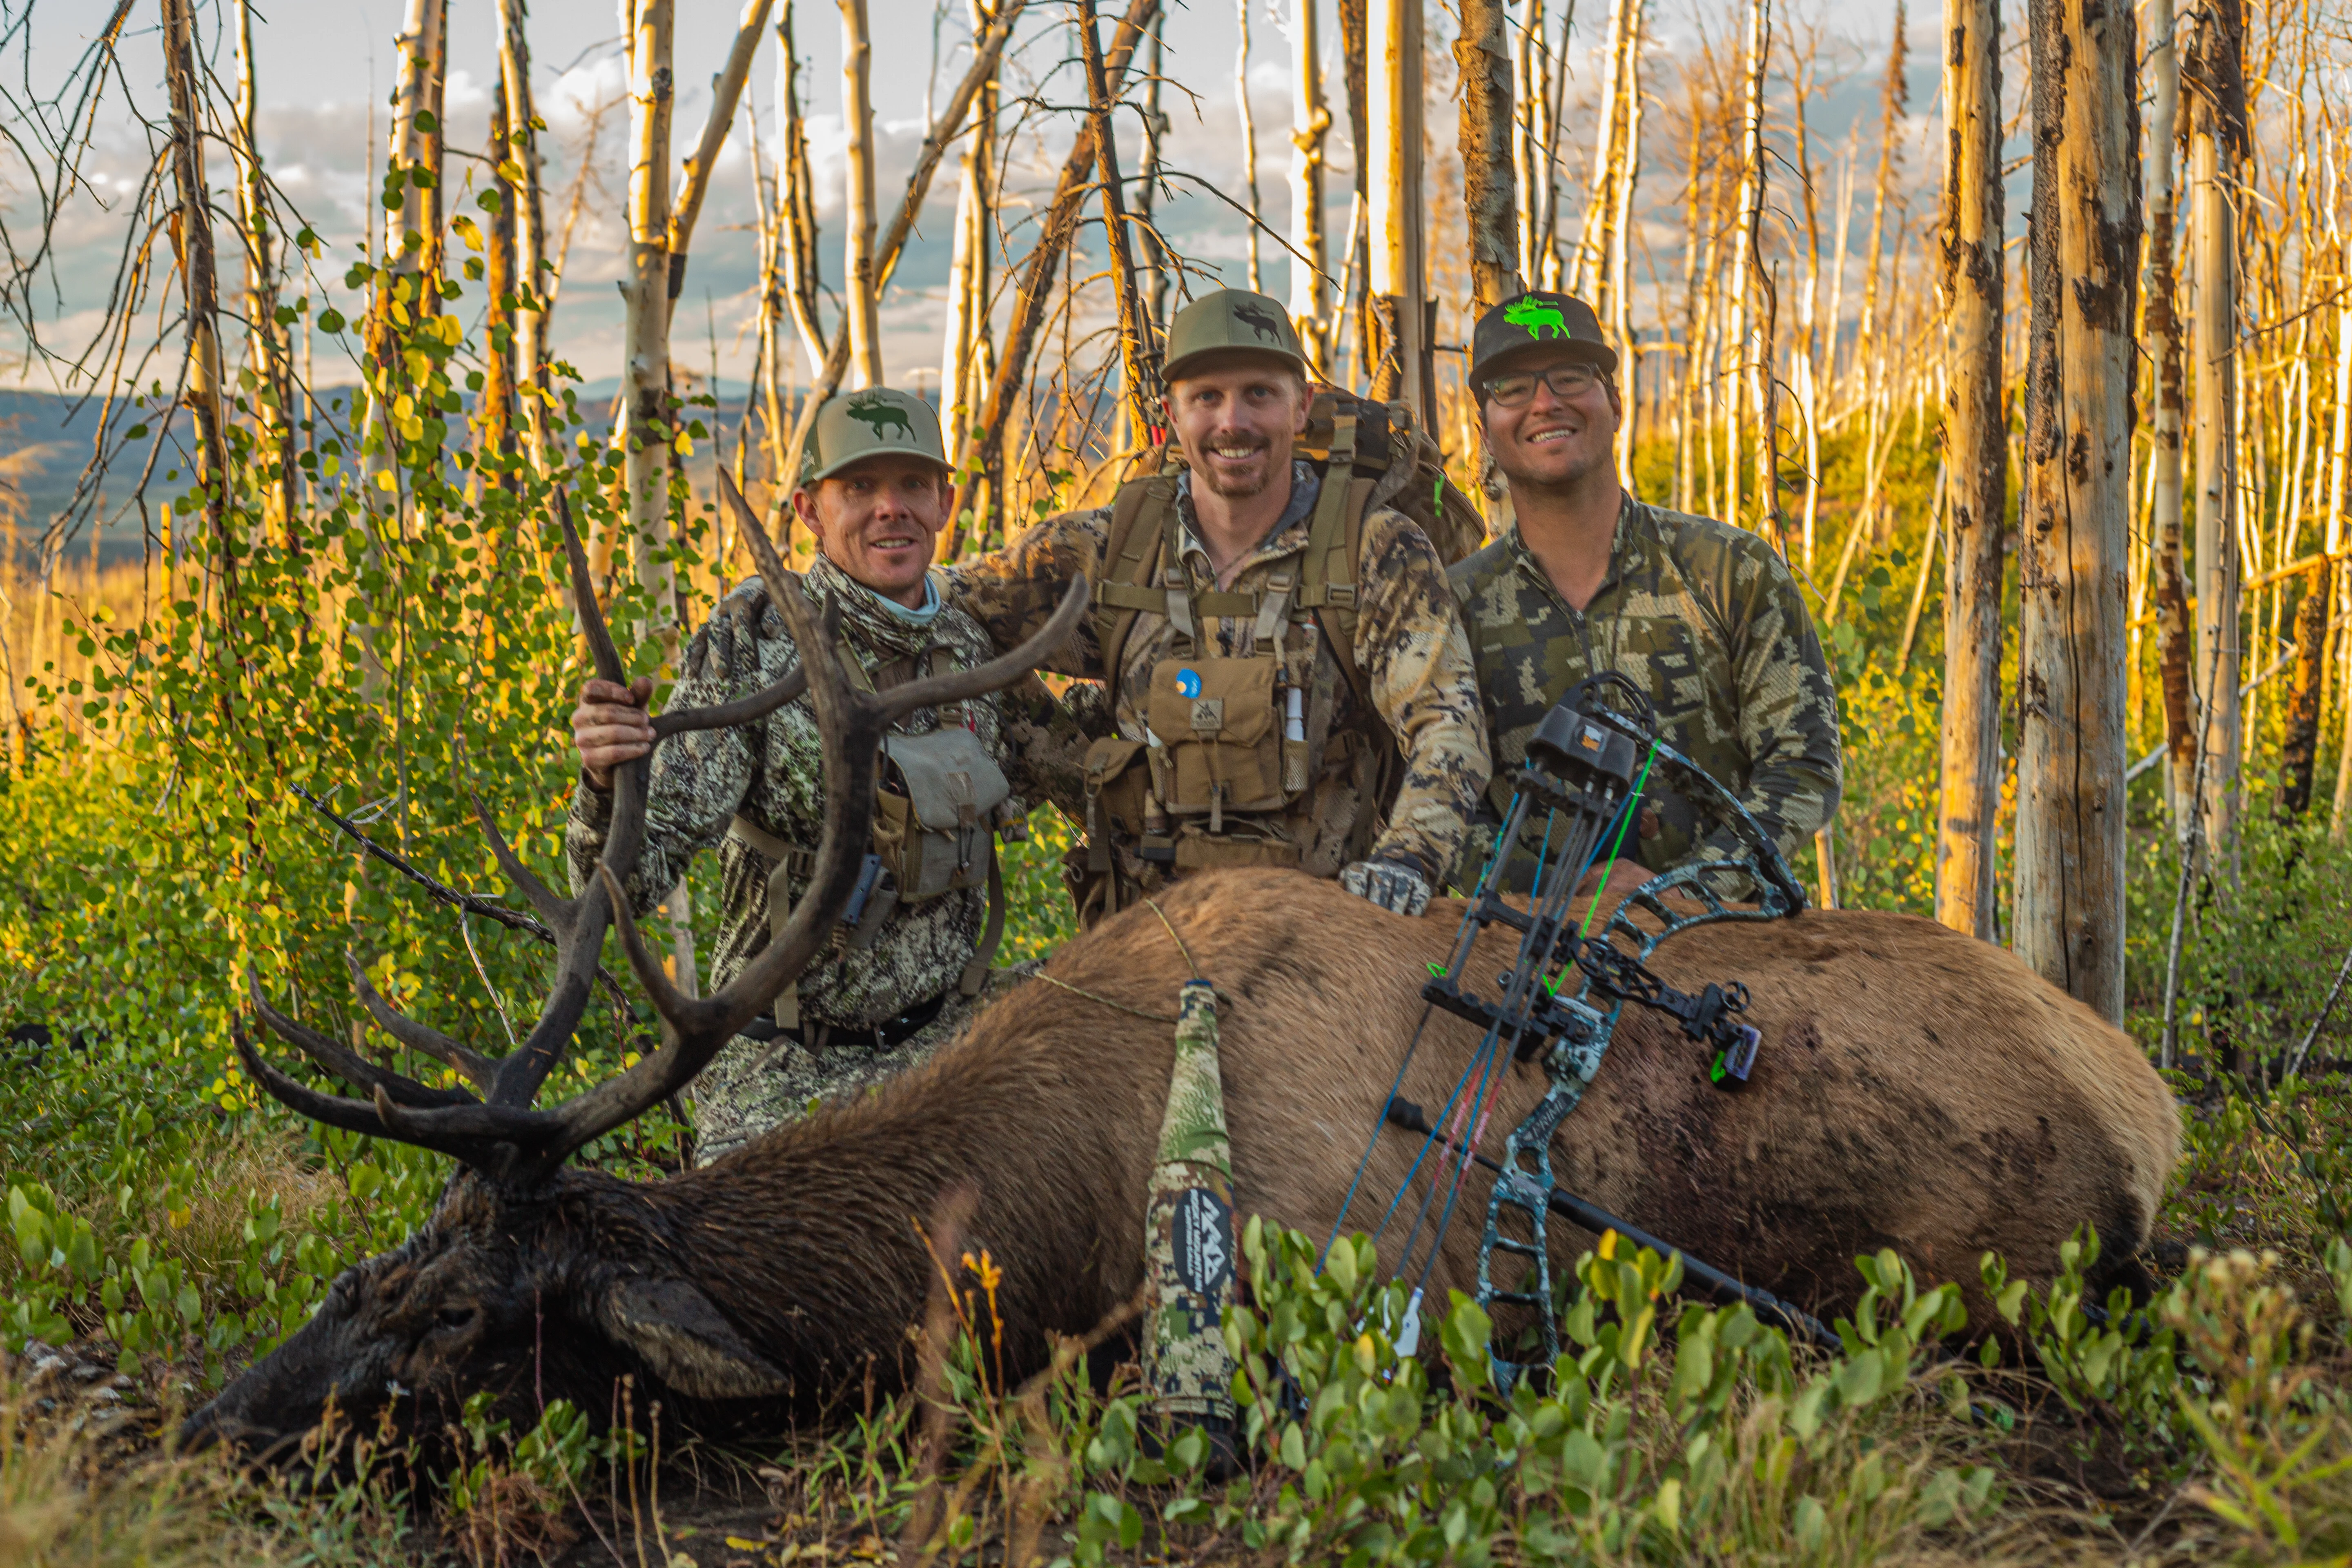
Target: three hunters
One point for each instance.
(1300, 655)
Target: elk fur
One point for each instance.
(1917, 1090)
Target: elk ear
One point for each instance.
(687, 1342)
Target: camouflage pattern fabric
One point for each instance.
(1703, 617)
(752, 1086)
(1189, 1249)
(772, 771)
(1409, 644)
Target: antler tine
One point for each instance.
(695, 1030)
(583, 595)
(348, 1065)
(773, 572)
(998, 672)
(558, 912)
(441, 1048)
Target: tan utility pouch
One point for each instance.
(1117, 791)
(1217, 720)
(1198, 851)
(939, 836)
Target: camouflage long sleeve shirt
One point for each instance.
(1408, 643)
(1703, 617)
(773, 774)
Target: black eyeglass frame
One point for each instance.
(1486, 385)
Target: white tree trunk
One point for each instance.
(963, 355)
(2213, 355)
(646, 315)
(530, 321)
(859, 288)
(1400, 266)
(1311, 121)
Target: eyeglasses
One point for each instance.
(1571, 380)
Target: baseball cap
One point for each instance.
(1227, 319)
(879, 421)
(1537, 319)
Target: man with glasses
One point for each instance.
(1703, 617)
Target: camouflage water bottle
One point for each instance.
(1189, 1243)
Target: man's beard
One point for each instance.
(1223, 492)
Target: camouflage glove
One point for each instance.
(1397, 888)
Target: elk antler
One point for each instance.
(501, 1134)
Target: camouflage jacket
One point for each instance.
(1707, 620)
(773, 773)
(1408, 643)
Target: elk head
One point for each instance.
(532, 1279)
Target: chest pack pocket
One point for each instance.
(1220, 739)
(936, 831)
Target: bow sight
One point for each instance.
(1576, 801)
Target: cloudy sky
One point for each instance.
(324, 71)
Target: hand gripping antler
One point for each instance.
(501, 1134)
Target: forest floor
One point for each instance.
(2226, 1434)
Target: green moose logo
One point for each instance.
(880, 415)
(1535, 316)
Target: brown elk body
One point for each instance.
(1916, 1090)
(1919, 1089)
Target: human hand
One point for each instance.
(1399, 889)
(611, 727)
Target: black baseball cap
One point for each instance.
(1537, 319)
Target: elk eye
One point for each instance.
(456, 1317)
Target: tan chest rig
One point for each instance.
(1224, 775)
(939, 806)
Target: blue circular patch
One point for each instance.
(1188, 682)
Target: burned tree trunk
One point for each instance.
(2300, 754)
(1976, 450)
(2073, 534)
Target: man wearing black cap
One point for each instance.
(1704, 616)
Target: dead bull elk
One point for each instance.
(1919, 1089)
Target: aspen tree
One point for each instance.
(860, 291)
(796, 210)
(2217, 143)
(1489, 200)
(2339, 450)
(1249, 141)
(963, 354)
(1803, 354)
(1976, 458)
(1147, 175)
(1310, 124)
(1139, 346)
(1529, 153)
(694, 183)
(193, 234)
(1748, 329)
(518, 171)
(1893, 99)
(1620, 227)
(494, 406)
(2073, 534)
(646, 425)
(1400, 268)
(1033, 291)
(267, 349)
(2160, 290)
(1586, 270)
(412, 238)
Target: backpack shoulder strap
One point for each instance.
(1326, 578)
(1130, 559)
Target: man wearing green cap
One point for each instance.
(911, 961)
(1290, 678)
(1703, 617)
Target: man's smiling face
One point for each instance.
(1237, 418)
(878, 520)
(1551, 440)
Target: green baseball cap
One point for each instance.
(1227, 320)
(1538, 319)
(879, 421)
